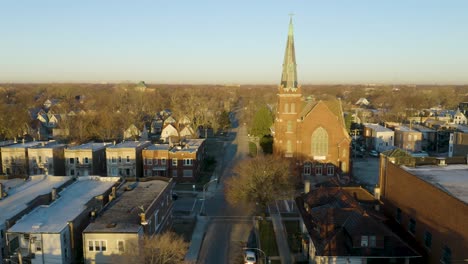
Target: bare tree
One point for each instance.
(166, 248)
(260, 180)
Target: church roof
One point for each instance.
(333, 105)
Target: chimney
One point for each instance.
(114, 142)
(22, 140)
(54, 194)
(143, 219)
(14, 141)
(306, 186)
(2, 193)
(441, 162)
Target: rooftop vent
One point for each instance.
(441, 162)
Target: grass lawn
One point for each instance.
(267, 238)
(252, 149)
(294, 231)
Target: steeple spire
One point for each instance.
(289, 75)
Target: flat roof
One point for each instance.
(190, 145)
(6, 143)
(452, 179)
(21, 192)
(130, 144)
(405, 129)
(423, 128)
(123, 214)
(158, 147)
(49, 145)
(91, 145)
(24, 145)
(53, 218)
(378, 128)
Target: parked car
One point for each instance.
(250, 257)
(373, 153)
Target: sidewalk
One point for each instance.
(197, 239)
(281, 238)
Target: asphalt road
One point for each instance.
(229, 227)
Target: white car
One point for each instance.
(373, 153)
(249, 257)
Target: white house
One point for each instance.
(169, 131)
(52, 233)
(459, 118)
(378, 137)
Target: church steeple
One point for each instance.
(289, 75)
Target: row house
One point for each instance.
(458, 144)
(47, 158)
(53, 233)
(344, 225)
(428, 135)
(428, 200)
(125, 159)
(182, 161)
(144, 209)
(4, 144)
(15, 158)
(86, 159)
(18, 197)
(378, 137)
(408, 139)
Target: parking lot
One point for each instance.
(366, 171)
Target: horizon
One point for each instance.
(242, 43)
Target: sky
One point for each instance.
(234, 42)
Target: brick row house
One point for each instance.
(182, 161)
(125, 159)
(86, 159)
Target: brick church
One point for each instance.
(311, 132)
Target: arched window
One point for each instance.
(289, 128)
(288, 146)
(293, 108)
(286, 108)
(320, 142)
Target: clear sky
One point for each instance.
(242, 41)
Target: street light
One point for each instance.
(204, 195)
(263, 252)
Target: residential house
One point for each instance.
(169, 131)
(132, 132)
(344, 225)
(15, 158)
(429, 136)
(4, 144)
(140, 209)
(86, 159)
(124, 159)
(188, 132)
(47, 158)
(408, 139)
(378, 137)
(170, 120)
(18, 197)
(52, 233)
(458, 144)
(182, 161)
(463, 106)
(427, 198)
(362, 102)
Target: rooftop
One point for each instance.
(21, 192)
(405, 129)
(130, 144)
(6, 143)
(423, 128)
(123, 214)
(91, 145)
(53, 218)
(49, 145)
(158, 147)
(189, 145)
(452, 179)
(23, 145)
(378, 128)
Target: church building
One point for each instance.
(309, 131)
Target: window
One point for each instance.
(120, 159)
(174, 173)
(289, 146)
(72, 172)
(163, 161)
(156, 220)
(40, 159)
(121, 245)
(330, 170)
(86, 160)
(293, 108)
(38, 245)
(149, 161)
(320, 142)
(398, 215)
(372, 241)
(307, 168)
(71, 160)
(427, 239)
(114, 160)
(114, 171)
(77, 160)
(286, 108)
(188, 162)
(364, 241)
(188, 173)
(127, 172)
(318, 170)
(128, 159)
(446, 255)
(289, 128)
(97, 245)
(412, 226)
(174, 162)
